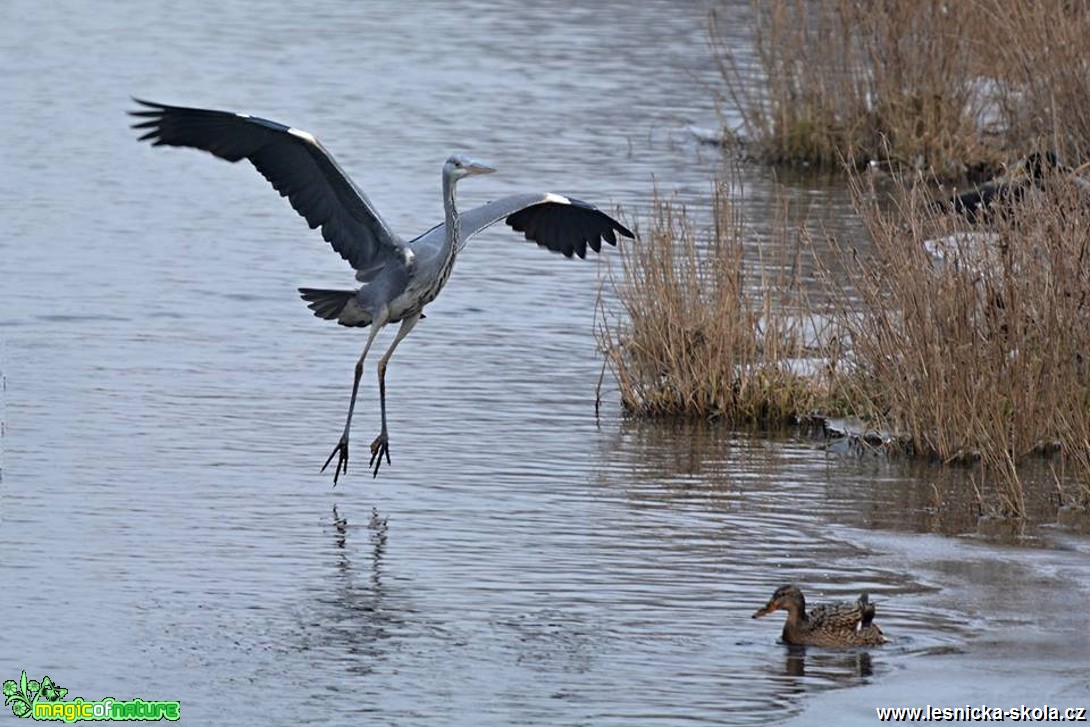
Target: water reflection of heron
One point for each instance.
(356, 613)
(378, 527)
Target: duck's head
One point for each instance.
(788, 598)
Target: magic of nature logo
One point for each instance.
(45, 700)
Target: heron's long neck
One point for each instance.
(451, 240)
(453, 226)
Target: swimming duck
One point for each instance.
(831, 625)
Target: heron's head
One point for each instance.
(459, 166)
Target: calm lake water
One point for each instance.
(168, 400)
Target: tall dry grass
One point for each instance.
(982, 356)
(702, 331)
(932, 85)
(979, 357)
(1040, 56)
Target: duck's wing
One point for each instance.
(846, 616)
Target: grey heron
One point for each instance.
(397, 278)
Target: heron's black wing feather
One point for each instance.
(293, 161)
(560, 224)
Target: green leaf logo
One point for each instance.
(16, 694)
(22, 695)
(51, 692)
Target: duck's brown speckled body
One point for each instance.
(830, 625)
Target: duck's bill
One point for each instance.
(764, 611)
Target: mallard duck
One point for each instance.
(833, 624)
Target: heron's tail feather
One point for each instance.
(336, 305)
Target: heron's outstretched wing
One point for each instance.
(294, 163)
(561, 224)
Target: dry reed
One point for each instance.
(1038, 55)
(980, 356)
(701, 333)
(945, 88)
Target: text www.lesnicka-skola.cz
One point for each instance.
(982, 713)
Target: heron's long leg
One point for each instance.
(381, 445)
(342, 446)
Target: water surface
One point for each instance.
(165, 532)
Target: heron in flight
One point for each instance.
(397, 278)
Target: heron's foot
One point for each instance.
(341, 452)
(379, 448)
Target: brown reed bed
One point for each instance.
(945, 88)
(979, 358)
(700, 331)
(1039, 55)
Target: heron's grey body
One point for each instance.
(397, 278)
